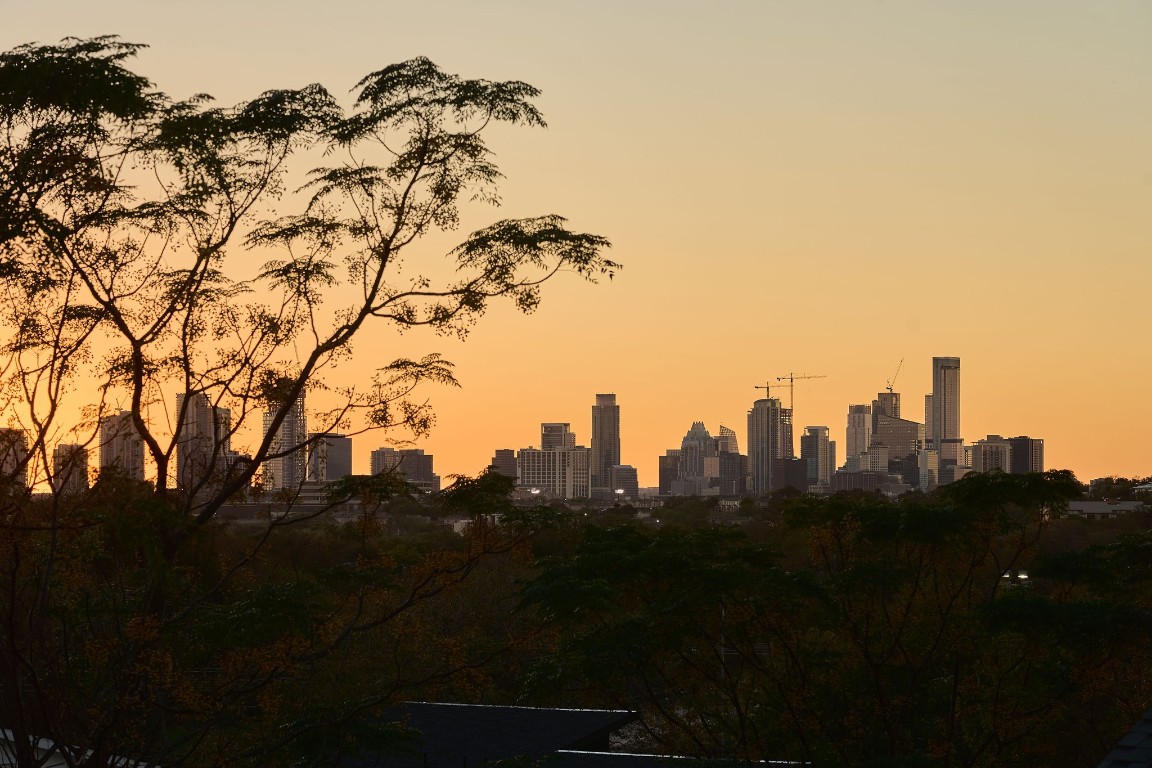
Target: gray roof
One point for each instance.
(1134, 750)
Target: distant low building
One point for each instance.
(1103, 510)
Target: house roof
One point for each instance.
(456, 735)
(1134, 750)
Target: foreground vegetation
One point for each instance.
(971, 627)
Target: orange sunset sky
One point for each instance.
(816, 187)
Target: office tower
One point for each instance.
(769, 438)
(564, 474)
(819, 455)
(204, 443)
(384, 460)
(121, 447)
(902, 439)
(13, 458)
(885, 404)
(669, 467)
(928, 421)
(858, 435)
(417, 468)
(694, 448)
(288, 466)
(929, 464)
(412, 464)
(1027, 455)
(993, 452)
(504, 462)
(945, 437)
(329, 457)
(625, 482)
(726, 441)
(605, 441)
(555, 436)
(726, 473)
(69, 468)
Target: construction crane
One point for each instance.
(892, 380)
(792, 378)
(768, 388)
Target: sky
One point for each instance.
(821, 188)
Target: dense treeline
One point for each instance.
(971, 627)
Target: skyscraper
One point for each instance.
(769, 438)
(13, 458)
(504, 462)
(1027, 455)
(993, 452)
(561, 473)
(121, 447)
(859, 432)
(605, 442)
(69, 468)
(819, 454)
(329, 457)
(204, 443)
(945, 437)
(556, 436)
(288, 467)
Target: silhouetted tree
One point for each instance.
(154, 256)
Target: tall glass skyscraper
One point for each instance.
(945, 423)
(605, 441)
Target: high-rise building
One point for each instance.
(993, 452)
(605, 441)
(945, 436)
(504, 462)
(769, 438)
(203, 447)
(858, 435)
(625, 482)
(289, 463)
(726, 441)
(121, 447)
(556, 436)
(819, 454)
(418, 470)
(669, 466)
(902, 439)
(563, 473)
(69, 468)
(696, 446)
(1027, 455)
(329, 457)
(13, 458)
(885, 404)
(384, 460)
(415, 466)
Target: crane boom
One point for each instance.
(792, 378)
(892, 381)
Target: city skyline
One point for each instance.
(871, 168)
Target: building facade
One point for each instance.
(945, 435)
(203, 447)
(288, 466)
(605, 441)
(563, 474)
(69, 469)
(121, 447)
(769, 438)
(329, 457)
(819, 455)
